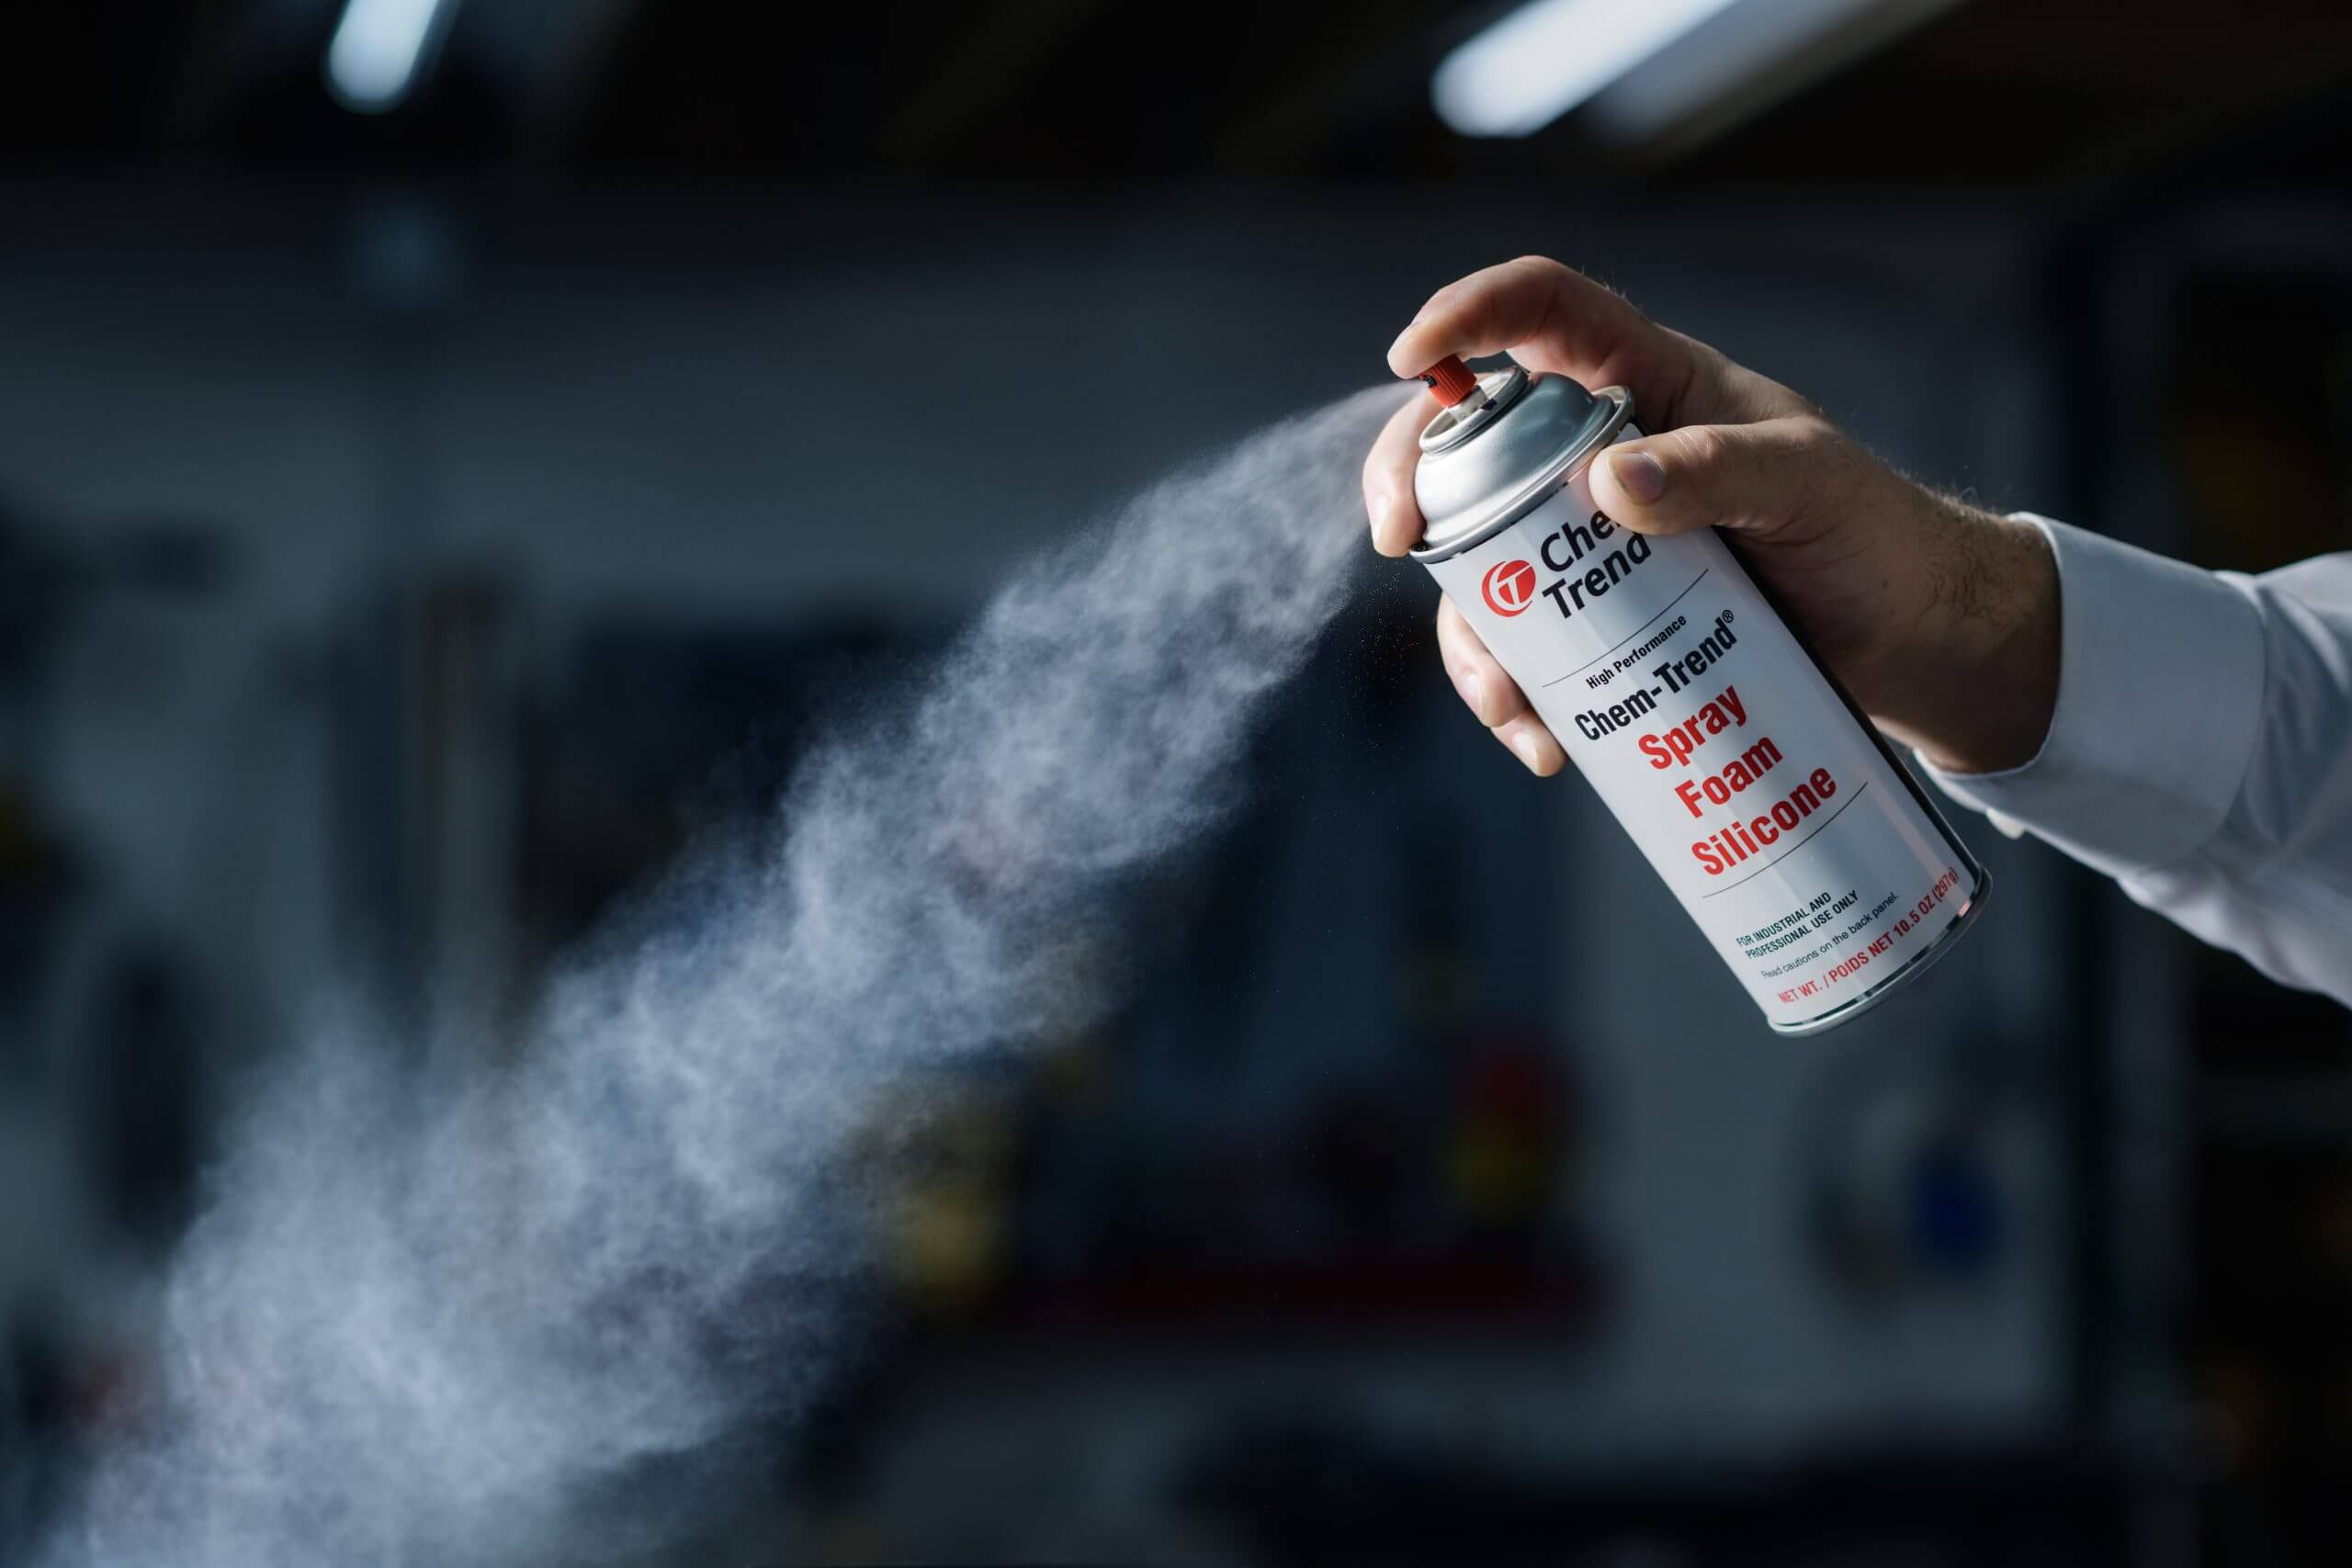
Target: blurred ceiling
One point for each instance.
(1990, 94)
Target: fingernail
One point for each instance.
(1640, 474)
(1466, 681)
(1522, 741)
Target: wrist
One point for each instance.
(1974, 679)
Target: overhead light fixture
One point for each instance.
(1545, 58)
(1653, 67)
(378, 49)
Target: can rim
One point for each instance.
(1615, 406)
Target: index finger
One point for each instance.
(1397, 523)
(1550, 318)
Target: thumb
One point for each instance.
(1705, 476)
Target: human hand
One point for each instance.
(1941, 619)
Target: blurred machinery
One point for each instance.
(109, 1019)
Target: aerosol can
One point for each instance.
(1791, 831)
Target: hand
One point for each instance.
(1941, 619)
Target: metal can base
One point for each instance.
(1912, 967)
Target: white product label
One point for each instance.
(1797, 846)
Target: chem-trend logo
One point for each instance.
(1509, 587)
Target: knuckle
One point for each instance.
(1700, 446)
(1443, 300)
(1812, 429)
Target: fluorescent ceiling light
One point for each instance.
(1545, 58)
(1653, 68)
(378, 47)
(1755, 55)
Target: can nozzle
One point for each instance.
(1450, 381)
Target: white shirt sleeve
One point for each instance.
(2200, 752)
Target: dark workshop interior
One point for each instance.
(426, 518)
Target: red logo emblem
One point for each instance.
(1509, 587)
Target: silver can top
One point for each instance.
(1492, 457)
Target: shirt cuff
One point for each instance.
(2160, 689)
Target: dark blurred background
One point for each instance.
(428, 497)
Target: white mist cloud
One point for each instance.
(420, 1326)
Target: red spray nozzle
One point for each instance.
(1450, 381)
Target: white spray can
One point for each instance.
(1799, 843)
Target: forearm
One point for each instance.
(2199, 750)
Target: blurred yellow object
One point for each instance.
(949, 1246)
(947, 1227)
(1507, 1150)
(1498, 1174)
